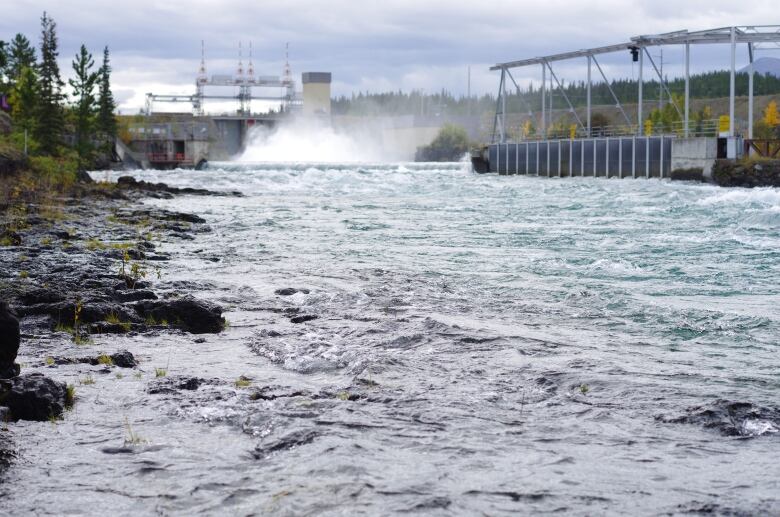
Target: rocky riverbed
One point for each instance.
(83, 265)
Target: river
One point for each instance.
(482, 344)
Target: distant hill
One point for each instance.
(765, 65)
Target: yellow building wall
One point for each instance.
(316, 99)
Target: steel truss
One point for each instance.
(754, 36)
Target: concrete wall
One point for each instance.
(698, 152)
(197, 151)
(229, 138)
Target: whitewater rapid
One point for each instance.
(482, 344)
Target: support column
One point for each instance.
(732, 89)
(687, 87)
(544, 101)
(503, 106)
(639, 118)
(750, 91)
(590, 60)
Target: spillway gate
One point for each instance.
(612, 157)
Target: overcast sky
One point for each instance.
(367, 45)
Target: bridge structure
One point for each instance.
(244, 79)
(633, 153)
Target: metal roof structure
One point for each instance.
(755, 36)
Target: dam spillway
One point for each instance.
(605, 157)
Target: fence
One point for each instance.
(619, 157)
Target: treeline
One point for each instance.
(45, 121)
(707, 85)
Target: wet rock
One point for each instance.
(174, 384)
(731, 418)
(91, 311)
(289, 291)
(34, 397)
(162, 189)
(135, 295)
(294, 439)
(129, 283)
(40, 295)
(303, 318)
(124, 359)
(195, 316)
(276, 392)
(9, 342)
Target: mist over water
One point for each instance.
(483, 345)
(314, 141)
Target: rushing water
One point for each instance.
(483, 344)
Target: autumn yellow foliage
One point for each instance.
(771, 116)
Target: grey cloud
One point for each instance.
(365, 44)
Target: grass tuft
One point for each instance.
(243, 382)
(95, 244)
(70, 395)
(105, 359)
(132, 438)
(160, 372)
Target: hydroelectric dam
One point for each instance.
(165, 140)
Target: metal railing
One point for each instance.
(702, 128)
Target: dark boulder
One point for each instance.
(162, 190)
(303, 318)
(9, 342)
(34, 397)
(731, 418)
(40, 295)
(124, 359)
(196, 316)
(175, 384)
(135, 295)
(289, 291)
(90, 312)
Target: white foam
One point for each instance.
(757, 428)
(312, 142)
(769, 197)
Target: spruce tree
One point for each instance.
(106, 122)
(50, 120)
(21, 55)
(84, 107)
(24, 101)
(3, 61)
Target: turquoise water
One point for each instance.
(483, 344)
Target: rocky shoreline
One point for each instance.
(80, 265)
